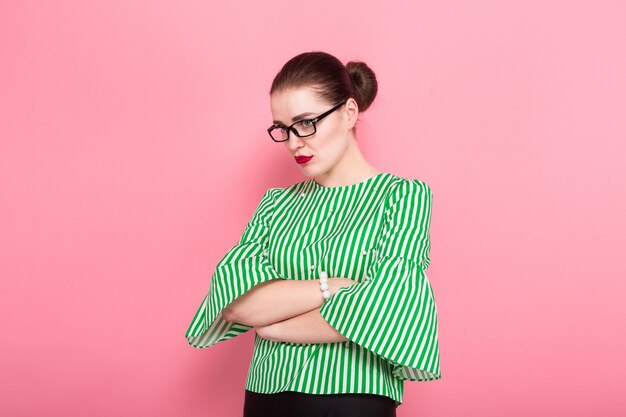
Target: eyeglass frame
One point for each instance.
(295, 131)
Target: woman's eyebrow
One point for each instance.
(293, 119)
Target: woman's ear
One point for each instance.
(352, 112)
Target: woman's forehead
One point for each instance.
(287, 104)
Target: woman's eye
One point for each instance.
(307, 123)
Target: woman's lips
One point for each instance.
(303, 159)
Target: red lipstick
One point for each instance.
(303, 159)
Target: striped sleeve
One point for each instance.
(244, 266)
(393, 314)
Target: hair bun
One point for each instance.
(364, 81)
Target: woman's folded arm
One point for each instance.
(309, 327)
(279, 299)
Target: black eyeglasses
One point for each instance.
(305, 127)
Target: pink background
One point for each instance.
(133, 150)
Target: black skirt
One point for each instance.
(299, 404)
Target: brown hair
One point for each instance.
(329, 78)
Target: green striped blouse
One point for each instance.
(375, 232)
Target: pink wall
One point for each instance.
(133, 150)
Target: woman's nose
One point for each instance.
(294, 142)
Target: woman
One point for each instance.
(329, 271)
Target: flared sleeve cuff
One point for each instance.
(245, 265)
(393, 312)
(393, 315)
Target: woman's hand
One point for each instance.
(335, 284)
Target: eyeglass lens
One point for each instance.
(303, 127)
